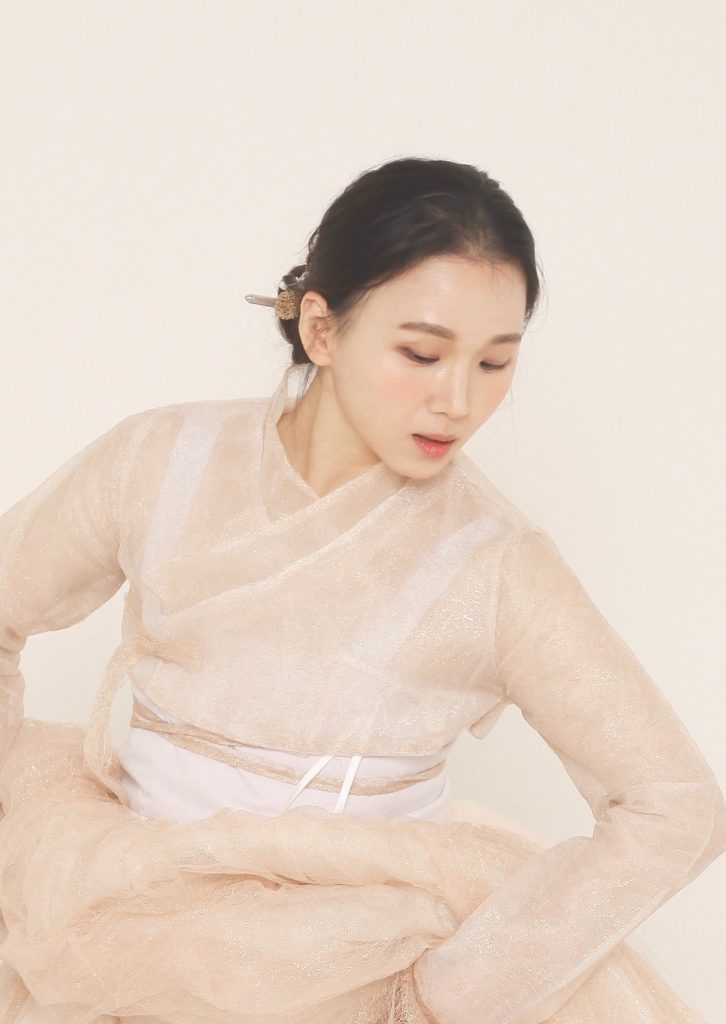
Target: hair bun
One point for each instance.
(293, 278)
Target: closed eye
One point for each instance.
(422, 360)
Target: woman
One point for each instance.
(321, 598)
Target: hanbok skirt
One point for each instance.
(240, 917)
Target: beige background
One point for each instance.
(161, 159)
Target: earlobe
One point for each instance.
(313, 337)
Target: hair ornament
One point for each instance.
(286, 304)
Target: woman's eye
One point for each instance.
(488, 367)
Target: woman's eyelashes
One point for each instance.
(423, 360)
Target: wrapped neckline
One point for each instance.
(285, 491)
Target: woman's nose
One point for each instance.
(452, 398)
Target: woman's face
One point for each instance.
(391, 381)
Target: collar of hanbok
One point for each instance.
(284, 490)
(300, 523)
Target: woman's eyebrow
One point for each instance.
(446, 332)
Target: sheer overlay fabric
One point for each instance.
(321, 655)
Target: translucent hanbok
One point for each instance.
(277, 842)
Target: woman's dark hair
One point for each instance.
(394, 216)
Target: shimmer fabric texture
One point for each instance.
(379, 620)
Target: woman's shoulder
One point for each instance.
(481, 494)
(159, 425)
(142, 442)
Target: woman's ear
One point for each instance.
(315, 327)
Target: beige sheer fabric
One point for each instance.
(381, 619)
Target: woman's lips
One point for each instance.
(434, 449)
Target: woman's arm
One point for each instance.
(660, 815)
(59, 555)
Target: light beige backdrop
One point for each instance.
(161, 159)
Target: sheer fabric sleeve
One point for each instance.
(59, 556)
(660, 815)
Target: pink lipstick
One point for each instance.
(434, 449)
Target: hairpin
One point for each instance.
(286, 302)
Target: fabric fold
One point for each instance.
(660, 814)
(382, 619)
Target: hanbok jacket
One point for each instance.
(383, 618)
